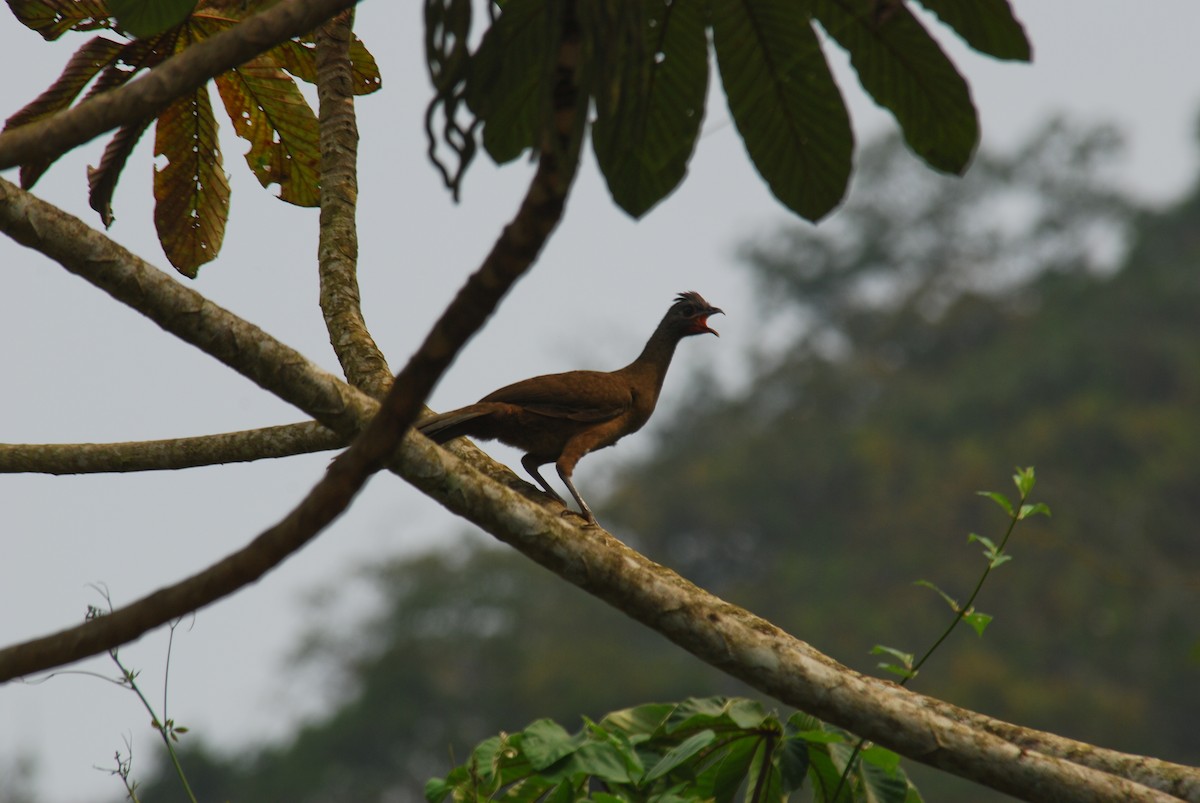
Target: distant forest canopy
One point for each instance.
(939, 332)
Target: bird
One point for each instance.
(559, 418)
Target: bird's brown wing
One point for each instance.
(589, 396)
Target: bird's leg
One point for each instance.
(531, 466)
(564, 471)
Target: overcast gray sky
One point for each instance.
(80, 367)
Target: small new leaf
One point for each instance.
(1000, 499)
(951, 601)
(1033, 510)
(978, 621)
(1024, 481)
(904, 669)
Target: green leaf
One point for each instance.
(784, 101)
(642, 719)
(953, 603)
(902, 67)
(1000, 499)
(896, 669)
(1033, 510)
(146, 18)
(704, 712)
(763, 782)
(882, 785)
(648, 114)
(905, 658)
(681, 753)
(511, 75)
(722, 780)
(545, 742)
(983, 539)
(881, 757)
(978, 621)
(825, 774)
(986, 25)
(793, 761)
(1024, 480)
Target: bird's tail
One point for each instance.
(448, 426)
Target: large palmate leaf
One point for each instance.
(648, 114)
(190, 190)
(261, 98)
(784, 102)
(905, 70)
(986, 25)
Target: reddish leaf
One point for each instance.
(102, 180)
(190, 190)
(142, 54)
(82, 67)
(53, 18)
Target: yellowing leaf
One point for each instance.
(269, 112)
(190, 190)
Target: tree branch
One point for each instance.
(181, 310)
(148, 95)
(337, 253)
(205, 450)
(718, 633)
(220, 333)
(756, 651)
(1179, 780)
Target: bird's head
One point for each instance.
(689, 314)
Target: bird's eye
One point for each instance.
(688, 310)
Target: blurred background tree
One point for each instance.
(932, 333)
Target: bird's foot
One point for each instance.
(588, 521)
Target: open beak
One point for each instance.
(702, 322)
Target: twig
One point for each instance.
(203, 450)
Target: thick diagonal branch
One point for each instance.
(713, 630)
(285, 440)
(337, 252)
(148, 95)
(240, 345)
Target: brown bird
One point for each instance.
(558, 418)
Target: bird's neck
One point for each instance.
(650, 368)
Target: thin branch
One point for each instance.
(285, 440)
(337, 253)
(150, 94)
